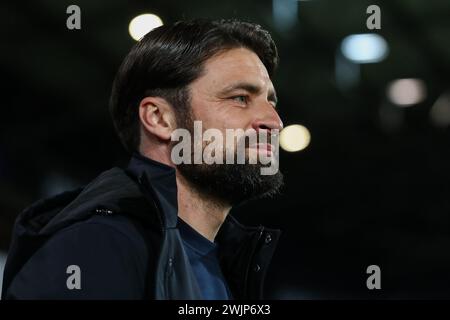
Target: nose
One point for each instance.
(267, 120)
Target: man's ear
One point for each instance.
(157, 117)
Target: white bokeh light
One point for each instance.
(406, 92)
(143, 24)
(364, 48)
(294, 138)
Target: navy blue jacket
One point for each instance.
(125, 245)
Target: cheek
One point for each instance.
(230, 118)
(205, 112)
(221, 115)
(238, 118)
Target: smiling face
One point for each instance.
(234, 91)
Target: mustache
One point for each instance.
(252, 140)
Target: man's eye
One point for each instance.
(240, 99)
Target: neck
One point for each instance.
(203, 213)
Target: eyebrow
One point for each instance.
(250, 87)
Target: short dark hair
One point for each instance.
(167, 59)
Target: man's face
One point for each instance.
(234, 92)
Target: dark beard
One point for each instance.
(232, 183)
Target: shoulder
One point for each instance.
(107, 253)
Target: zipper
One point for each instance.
(168, 274)
(251, 261)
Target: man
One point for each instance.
(160, 230)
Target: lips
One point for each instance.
(262, 146)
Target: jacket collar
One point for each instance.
(160, 180)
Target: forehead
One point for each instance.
(234, 65)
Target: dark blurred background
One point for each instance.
(372, 186)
